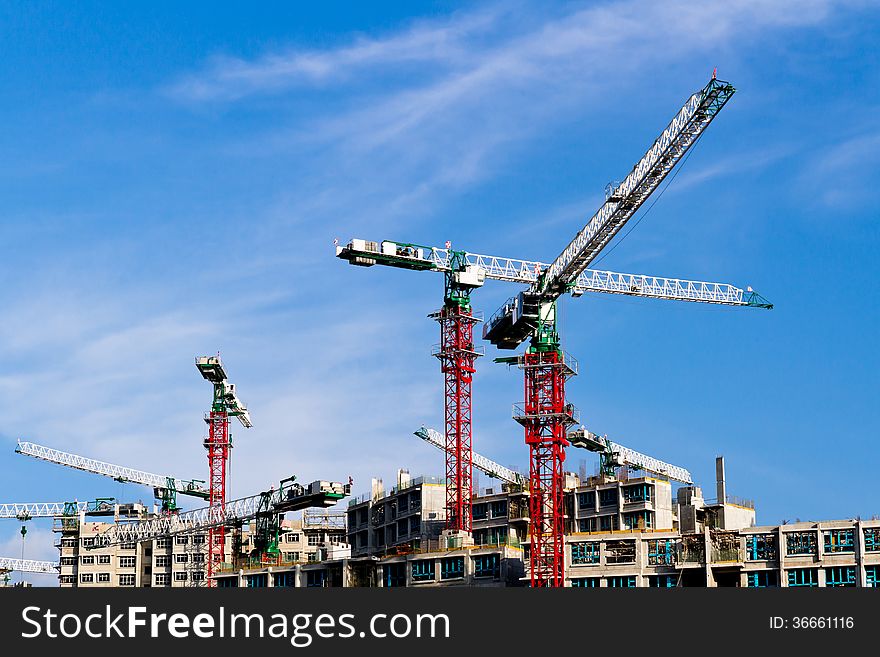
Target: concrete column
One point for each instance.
(720, 483)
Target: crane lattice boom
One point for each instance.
(626, 198)
(527, 272)
(28, 566)
(117, 472)
(617, 455)
(288, 497)
(480, 462)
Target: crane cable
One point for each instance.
(654, 202)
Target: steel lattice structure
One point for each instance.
(480, 462)
(288, 497)
(532, 313)
(457, 355)
(218, 443)
(166, 487)
(30, 510)
(28, 566)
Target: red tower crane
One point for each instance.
(545, 414)
(218, 443)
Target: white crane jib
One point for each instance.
(612, 455)
(30, 510)
(8, 564)
(490, 467)
(165, 486)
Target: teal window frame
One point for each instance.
(872, 577)
(486, 566)
(452, 568)
(423, 570)
(585, 553)
(762, 579)
(838, 541)
(806, 577)
(840, 576)
(585, 582)
(622, 581)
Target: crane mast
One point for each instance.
(218, 443)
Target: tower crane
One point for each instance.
(218, 443)
(545, 414)
(165, 487)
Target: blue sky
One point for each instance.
(173, 179)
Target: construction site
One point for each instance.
(637, 522)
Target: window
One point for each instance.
(498, 509)
(620, 552)
(626, 582)
(198, 539)
(181, 558)
(104, 577)
(198, 558)
(86, 578)
(128, 546)
(587, 500)
(585, 553)
(840, 576)
(762, 579)
(181, 540)
(587, 525)
(423, 570)
(163, 543)
(227, 582)
(800, 543)
(487, 565)
(67, 579)
(88, 560)
(638, 520)
(180, 577)
(316, 578)
(661, 552)
(480, 511)
(88, 542)
(127, 562)
(760, 547)
(126, 580)
(258, 581)
(163, 579)
(415, 525)
(585, 583)
(291, 556)
(663, 581)
(314, 539)
(285, 580)
(872, 576)
(104, 559)
(395, 575)
(803, 577)
(68, 542)
(608, 523)
(68, 561)
(198, 576)
(292, 538)
(163, 560)
(838, 540)
(638, 493)
(872, 539)
(608, 497)
(451, 567)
